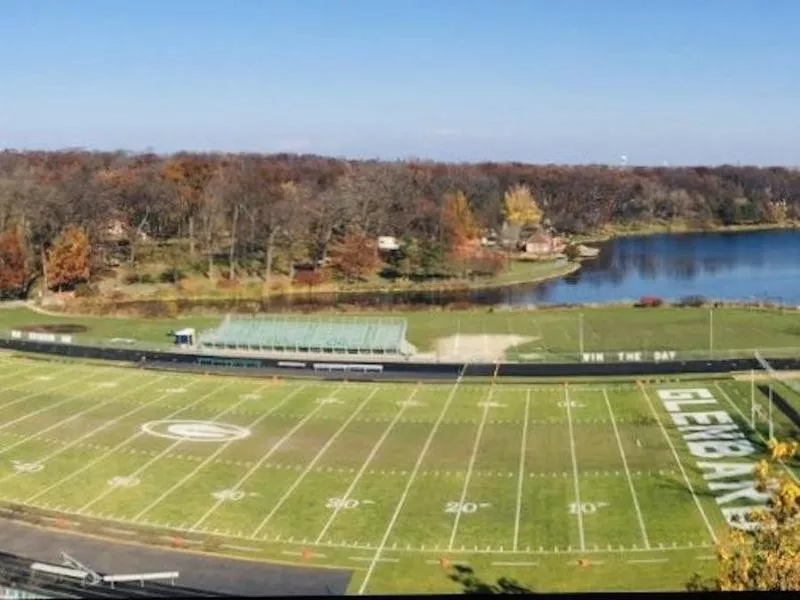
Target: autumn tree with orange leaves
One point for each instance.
(69, 259)
(354, 257)
(13, 267)
(765, 559)
(458, 222)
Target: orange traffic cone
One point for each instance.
(178, 542)
(444, 562)
(583, 562)
(306, 554)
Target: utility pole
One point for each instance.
(752, 399)
(711, 332)
(771, 428)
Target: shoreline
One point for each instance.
(439, 287)
(206, 311)
(679, 228)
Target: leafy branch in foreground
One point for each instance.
(767, 558)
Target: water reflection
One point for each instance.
(730, 266)
(727, 266)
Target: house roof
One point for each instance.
(540, 238)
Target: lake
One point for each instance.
(749, 266)
(754, 265)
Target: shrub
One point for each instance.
(132, 278)
(693, 301)
(649, 302)
(86, 290)
(308, 278)
(228, 284)
(572, 252)
(172, 275)
(488, 263)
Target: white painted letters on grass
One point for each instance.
(712, 435)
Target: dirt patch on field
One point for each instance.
(474, 348)
(54, 328)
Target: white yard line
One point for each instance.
(523, 447)
(680, 464)
(310, 465)
(58, 424)
(48, 407)
(581, 533)
(216, 453)
(627, 472)
(260, 462)
(647, 560)
(111, 489)
(34, 394)
(470, 467)
(122, 444)
(96, 430)
(15, 373)
(409, 483)
(758, 433)
(366, 464)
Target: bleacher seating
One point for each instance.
(348, 335)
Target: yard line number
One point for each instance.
(340, 503)
(570, 403)
(465, 508)
(586, 508)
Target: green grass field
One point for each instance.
(552, 332)
(517, 481)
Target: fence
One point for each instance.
(389, 369)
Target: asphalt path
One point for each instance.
(203, 573)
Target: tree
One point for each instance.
(189, 175)
(212, 215)
(520, 207)
(354, 257)
(765, 559)
(69, 260)
(458, 222)
(309, 278)
(13, 268)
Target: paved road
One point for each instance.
(212, 574)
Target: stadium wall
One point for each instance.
(347, 368)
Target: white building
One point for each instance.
(388, 242)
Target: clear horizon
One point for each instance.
(574, 82)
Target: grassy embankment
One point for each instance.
(158, 265)
(549, 332)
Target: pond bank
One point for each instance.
(662, 228)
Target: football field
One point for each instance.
(559, 486)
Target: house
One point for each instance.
(388, 243)
(489, 238)
(542, 243)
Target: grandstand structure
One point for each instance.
(310, 335)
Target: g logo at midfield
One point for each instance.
(195, 431)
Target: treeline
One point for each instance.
(268, 212)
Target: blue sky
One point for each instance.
(565, 81)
